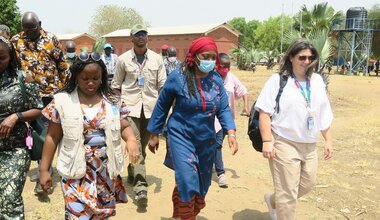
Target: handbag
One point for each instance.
(253, 122)
(36, 131)
(254, 130)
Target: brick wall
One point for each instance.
(83, 41)
(225, 41)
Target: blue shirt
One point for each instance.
(192, 117)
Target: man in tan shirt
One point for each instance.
(140, 75)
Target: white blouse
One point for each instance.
(291, 121)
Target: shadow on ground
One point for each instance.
(250, 214)
(56, 179)
(198, 218)
(152, 180)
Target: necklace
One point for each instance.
(86, 101)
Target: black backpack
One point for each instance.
(253, 122)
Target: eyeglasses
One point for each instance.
(303, 58)
(30, 28)
(84, 56)
(141, 34)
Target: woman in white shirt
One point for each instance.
(290, 133)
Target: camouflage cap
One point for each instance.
(137, 28)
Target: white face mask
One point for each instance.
(172, 59)
(71, 55)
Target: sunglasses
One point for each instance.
(303, 58)
(84, 56)
(141, 34)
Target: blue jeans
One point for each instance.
(218, 161)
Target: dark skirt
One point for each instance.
(14, 165)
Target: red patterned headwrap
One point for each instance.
(200, 45)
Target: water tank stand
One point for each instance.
(354, 46)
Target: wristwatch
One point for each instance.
(20, 116)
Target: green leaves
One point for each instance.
(320, 17)
(10, 15)
(247, 29)
(244, 57)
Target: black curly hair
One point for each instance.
(78, 66)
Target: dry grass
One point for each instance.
(348, 185)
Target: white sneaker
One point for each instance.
(272, 211)
(222, 180)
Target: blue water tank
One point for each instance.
(356, 18)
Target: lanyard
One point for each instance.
(141, 66)
(306, 94)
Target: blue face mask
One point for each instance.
(206, 65)
(71, 55)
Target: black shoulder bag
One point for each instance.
(35, 128)
(253, 122)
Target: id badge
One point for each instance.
(140, 80)
(310, 123)
(310, 119)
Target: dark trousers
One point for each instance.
(218, 161)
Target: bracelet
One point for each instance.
(20, 116)
(231, 135)
(267, 141)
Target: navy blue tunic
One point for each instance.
(190, 128)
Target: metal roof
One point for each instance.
(73, 36)
(177, 30)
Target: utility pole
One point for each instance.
(291, 23)
(282, 26)
(301, 23)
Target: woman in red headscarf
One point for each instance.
(200, 96)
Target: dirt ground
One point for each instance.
(348, 185)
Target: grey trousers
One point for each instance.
(138, 171)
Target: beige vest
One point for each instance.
(71, 161)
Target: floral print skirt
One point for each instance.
(95, 195)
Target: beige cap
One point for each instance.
(137, 28)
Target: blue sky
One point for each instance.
(73, 16)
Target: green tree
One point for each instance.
(374, 13)
(10, 15)
(108, 18)
(98, 45)
(244, 57)
(320, 17)
(321, 40)
(268, 35)
(247, 29)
